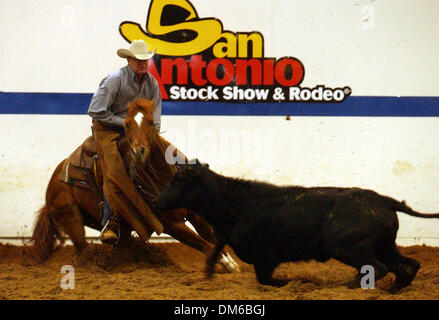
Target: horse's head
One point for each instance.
(139, 128)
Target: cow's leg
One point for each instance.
(212, 259)
(359, 255)
(404, 268)
(405, 273)
(264, 271)
(379, 268)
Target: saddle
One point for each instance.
(81, 168)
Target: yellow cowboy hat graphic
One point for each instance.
(174, 29)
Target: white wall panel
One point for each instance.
(398, 157)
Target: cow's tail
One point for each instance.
(402, 207)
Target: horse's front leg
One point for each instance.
(179, 231)
(201, 226)
(223, 258)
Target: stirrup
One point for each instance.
(103, 229)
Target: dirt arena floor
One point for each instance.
(170, 271)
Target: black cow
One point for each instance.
(266, 224)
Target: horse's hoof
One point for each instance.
(229, 264)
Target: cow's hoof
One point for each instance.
(279, 282)
(208, 273)
(274, 282)
(397, 286)
(394, 289)
(352, 284)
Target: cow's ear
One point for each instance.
(189, 165)
(198, 163)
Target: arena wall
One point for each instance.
(383, 136)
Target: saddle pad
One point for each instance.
(75, 176)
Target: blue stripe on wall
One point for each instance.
(376, 106)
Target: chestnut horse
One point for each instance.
(69, 208)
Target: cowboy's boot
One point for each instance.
(110, 233)
(109, 237)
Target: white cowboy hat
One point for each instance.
(138, 49)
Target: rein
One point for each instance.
(152, 176)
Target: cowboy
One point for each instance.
(108, 109)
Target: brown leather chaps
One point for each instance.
(118, 188)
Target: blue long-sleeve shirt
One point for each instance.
(109, 103)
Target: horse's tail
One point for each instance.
(44, 236)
